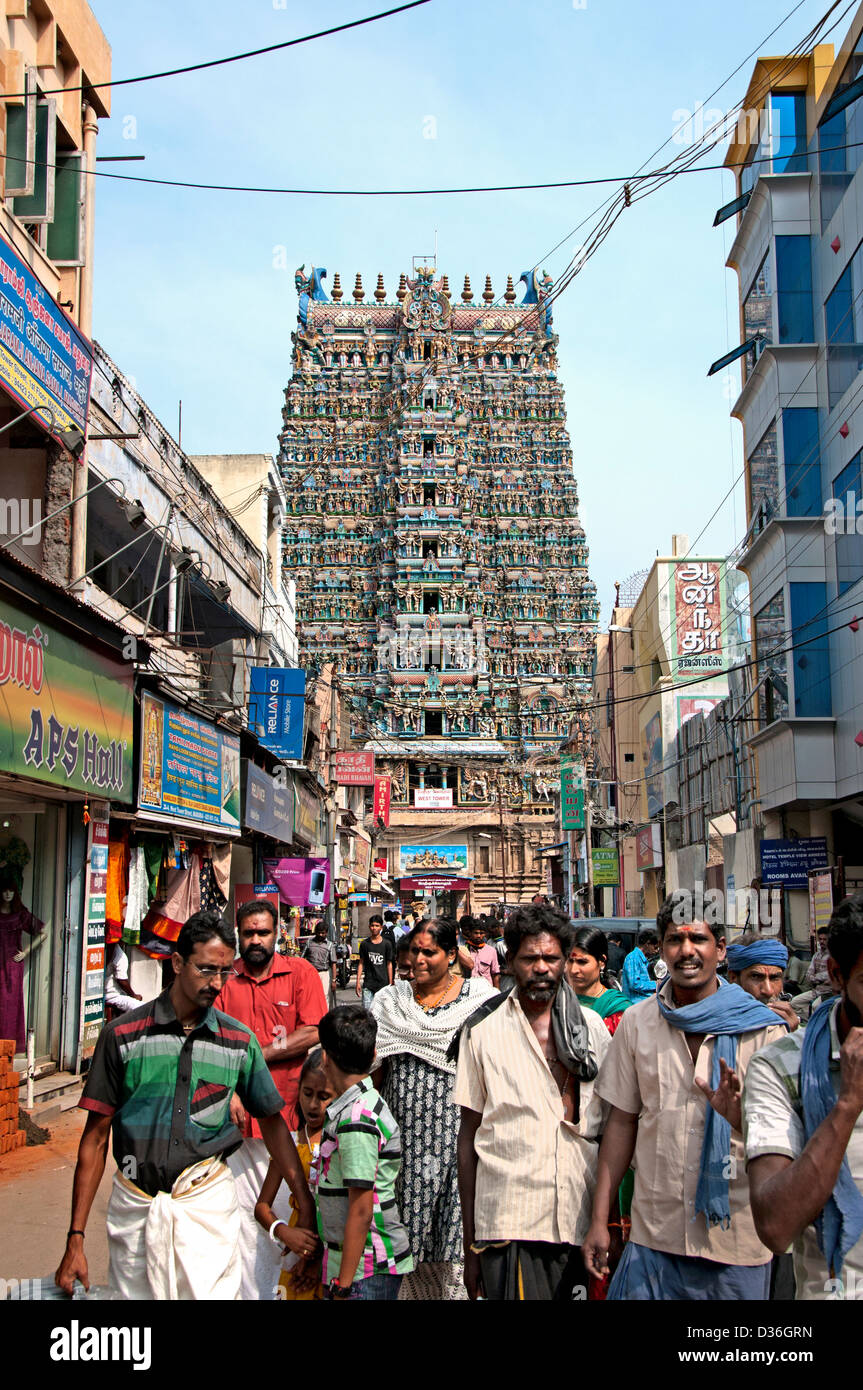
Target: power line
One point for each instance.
(222, 62)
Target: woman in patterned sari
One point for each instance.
(417, 1020)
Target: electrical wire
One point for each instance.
(222, 62)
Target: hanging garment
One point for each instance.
(161, 927)
(211, 898)
(136, 897)
(116, 886)
(221, 857)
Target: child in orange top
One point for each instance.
(315, 1094)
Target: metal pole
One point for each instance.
(158, 568)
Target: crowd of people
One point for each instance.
(500, 1115)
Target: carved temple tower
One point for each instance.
(434, 536)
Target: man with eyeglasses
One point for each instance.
(162, 1079)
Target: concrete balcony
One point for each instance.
(796, 762)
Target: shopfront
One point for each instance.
(66, 739)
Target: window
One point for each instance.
(848, 490)
(433, 723)
(483, 859)
(764, 479)
(794, 289)
(629, 757)
(811, 650)
(839, 137)
(781, 147)
(757, 312)
(802, 459)
(770, 643)
(843, 326)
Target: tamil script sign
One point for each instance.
(572, 791)
(277, 709)
(66, 712)
(190, 769)
(44, 359)
(697, 617)
(789, 862)
(354, 769)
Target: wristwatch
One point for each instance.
(338, 1291)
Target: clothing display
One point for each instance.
(12, 927)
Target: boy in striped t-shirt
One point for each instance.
(366, 1249)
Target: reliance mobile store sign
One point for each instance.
(44, 358)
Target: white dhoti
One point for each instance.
(261, 1257)
(178, 1245)
(327, 982)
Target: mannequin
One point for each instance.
(14, 919)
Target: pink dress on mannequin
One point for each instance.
(12, 926)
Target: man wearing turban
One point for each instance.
(758, 964)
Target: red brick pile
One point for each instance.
(11, 1137)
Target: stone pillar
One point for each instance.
(56, 533)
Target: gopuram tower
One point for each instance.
(440, 563)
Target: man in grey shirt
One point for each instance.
(323, 956)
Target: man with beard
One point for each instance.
(281, 999)
(162, 1078)
(671, 1078)
(803, 1122)
(529, 1122)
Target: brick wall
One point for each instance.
(11, 1137)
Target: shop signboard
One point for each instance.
(189, 769)
(789, 862)
(268, 805)
(382, 794)
(433, 798)
(697, 617)
(606, 870)
(572, 792)
(434, 883)
(301, 882)
(277, 709)
(440, 858)
(245, 892)
(45, 360)
(66, 712)
(93, 967)
(354, 769)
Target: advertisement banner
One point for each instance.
(789, 862)
(820, 902)
(244, 892)
(277, 709)
(606, 870)
(306, 810)
(354, 769)
(572, 794)
(190, 769)
(268, 806)
(651, 737)
(382, 794)
(301, 882)
(688, 705)
(362, 855)
(648, 847)
(433, 798)
(66, 711)
(45, 360)
(444, 858)
(697, 618)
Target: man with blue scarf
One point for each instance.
(803, 1113)
(757, 964)
(673, 1076)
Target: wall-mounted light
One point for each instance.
(133, 511)
(184, 561)
(221, 591)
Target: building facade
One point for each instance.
(798, 254)
(439, 560)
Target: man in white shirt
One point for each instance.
(803, 1129)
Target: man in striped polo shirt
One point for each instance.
(162, 1079)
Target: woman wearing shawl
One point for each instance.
(803, 1126)
(587, 972)
(417, 1020)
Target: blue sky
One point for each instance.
(194, 290)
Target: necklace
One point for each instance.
(434, 1003)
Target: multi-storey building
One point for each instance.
(798, 253)
(434, 536)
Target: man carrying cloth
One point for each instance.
(162, 1078)
(803, 1122)
(669, 1077)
